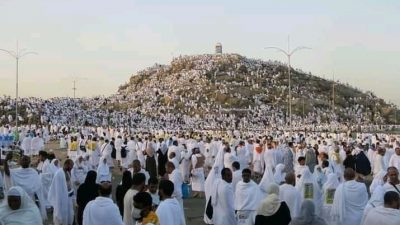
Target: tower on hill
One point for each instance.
(218, 48)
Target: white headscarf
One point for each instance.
(270, 205)
(27, 214)
(279, 174)
(52, 167)
(267, 179)
(377, 181)
(213, 177)
(59, 199)
(103, 171)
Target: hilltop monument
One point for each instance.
(218, 48)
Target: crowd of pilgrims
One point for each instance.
(246, 178)
(184, 95)
(187, 77)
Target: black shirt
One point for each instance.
(281, 217)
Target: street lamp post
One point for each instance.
(17, 55)
(333, 93)
(288, 54)
(75, 79)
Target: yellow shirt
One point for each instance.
(151, 218)
(91, 145)
(74, 146)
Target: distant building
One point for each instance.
(218, 48)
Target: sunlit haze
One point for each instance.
(102, 43)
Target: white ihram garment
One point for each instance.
(61, 199)
(247, 198)
(349, 202)
(223, 204)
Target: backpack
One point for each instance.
(114, 152)
(82, 148)
(363, 166)
(123, 152)
(186, 189)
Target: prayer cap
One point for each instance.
(14, 192)
(105, 179)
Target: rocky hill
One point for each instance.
(218, 92)
(205, 86)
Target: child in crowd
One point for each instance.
(153, 191)
(142, 211)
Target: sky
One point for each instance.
(101, 43)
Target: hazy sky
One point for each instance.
(102, 42)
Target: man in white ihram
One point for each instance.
(102, 210)
(350, 199)
(26, 145)
(61, 195)
(222, 200)
(175, 177)
(290, 194)
(169, 212)
(246, 199)
(388, 214)
(28, 179)
(395, 159)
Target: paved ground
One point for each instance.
(194, 208)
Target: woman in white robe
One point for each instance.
(213, 176)
(36, 145)
(47, 177)
(118, 146)
(267, 179)
(54, 166)
(131, 153)
(63, 142)
(184, 166)
(328, 191)
(26, 145)
(279, 174)
(96, 154)
(78, 173)
(61, 199)
(243, 156)
(27, 213)
(309, 189)
(140, 148)
(103, 171)
(197, 173)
